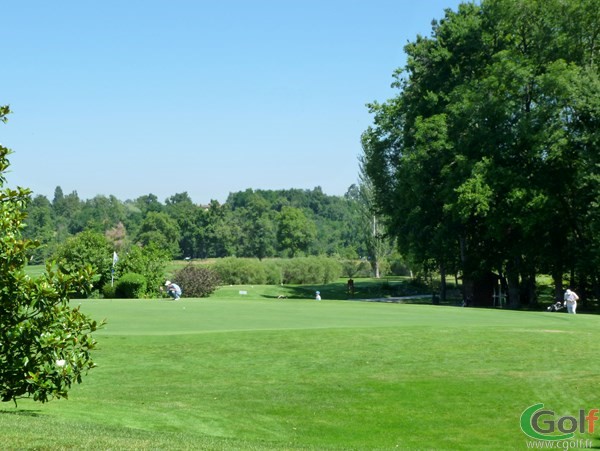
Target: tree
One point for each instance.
(378, 244)
(66, 212)
(181, 208)
(149, 261)
(160, 230)
(295, 231)
(45, 345)
(41, 227)
(87, 248)
(101, 213)
(490, 149)
(217, 237)
(257, 225)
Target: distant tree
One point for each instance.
(66, 209)
(295, 231)
(160, 230)
(41, 227)
(148, 203)
(117, 235)
(45, 345)
(181, 208)
(217, 231)
(256, 221)
(101, 213)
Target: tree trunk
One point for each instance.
(443, 287)
(558, 286)
(530, 291)
(512, 276)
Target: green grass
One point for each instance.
(253, 372)
(35, 270)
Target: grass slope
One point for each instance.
(245, 372)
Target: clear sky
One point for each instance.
(132, 97)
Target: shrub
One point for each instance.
(196, 282)
(240, 271)
(399, 267)
(311, 270)
(86, 248)
(108, 291)
(130, 286)
(148, 261)
(273, 271)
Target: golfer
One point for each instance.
(571, 299)
(173, 290)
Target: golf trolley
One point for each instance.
(556, 307)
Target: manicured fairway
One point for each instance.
(246, 373)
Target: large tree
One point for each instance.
(45, 344)
(489, 152)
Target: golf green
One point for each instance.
(231, 373)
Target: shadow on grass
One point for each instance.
(364, 289)
(21, 413)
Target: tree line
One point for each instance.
(251, 223)
(487, 161)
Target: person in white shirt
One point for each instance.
(173, 290)
(571, 301)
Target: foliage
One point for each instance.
(247, 225)
(300, 270)
(196, 281)
(87, 248)
(295, 232)
(398, 266)
(149, 261)
(310, 270)
(355, 268)
(109, 290)
(240, 271)
(130, 286)
(45, 345)
(161, 231)
(273, 272)
(487, 159)
(378, 244)
(40, 227)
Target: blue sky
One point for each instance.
(209, 97)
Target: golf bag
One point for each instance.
(556, 307)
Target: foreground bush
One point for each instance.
(196, 282)
(45, 345)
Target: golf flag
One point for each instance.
(112, 271)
